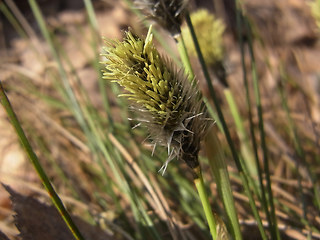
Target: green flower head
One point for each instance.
(171, 106)
(167, 13)
(209, 31)
(315, 11)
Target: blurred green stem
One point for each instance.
(96, 39)
(274, 229)
(263, 195)
(301, 160)
(244, 140)
(11, 18)
(184, 56)
(36, 164)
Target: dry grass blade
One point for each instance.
(159, 208)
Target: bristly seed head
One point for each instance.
(171, 106)
(167, 13)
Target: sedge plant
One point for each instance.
(168, 104)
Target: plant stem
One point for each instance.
(275, 230)
(184, 56)
(244, 140)
(301, 161)
(205, 203)
(95, 47)
(35, 162)
(10, 17)
(250, 116)
(72, 101)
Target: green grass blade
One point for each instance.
(275, 231)
(36, 164)
(218, 166)
(265, 204)
(73, 103)
(244, 140)
(300, 152)
(4, 9)
(184, 57)
(96, 40)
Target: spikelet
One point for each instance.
(209, 31)
(315, 11)
(171, 107)
(167, 13)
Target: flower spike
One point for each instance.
(171, 107)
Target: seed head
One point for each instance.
(209, 31)
(167, 13)
(171, 107)
(315, 11)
